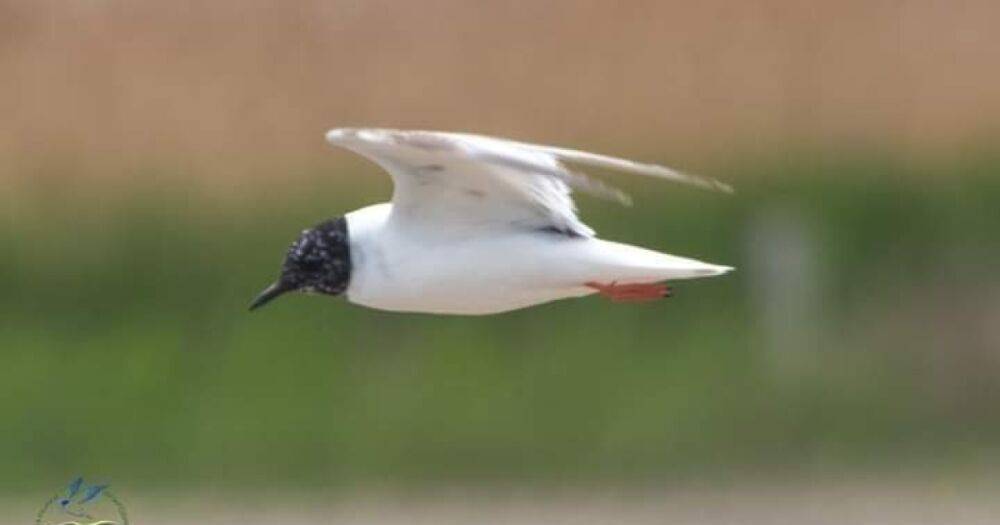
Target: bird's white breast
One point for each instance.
(455, 272)
(401, 267)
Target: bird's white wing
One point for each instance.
(573, 156)
(456, 180)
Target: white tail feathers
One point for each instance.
(625, 263)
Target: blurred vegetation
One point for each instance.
(128, 353)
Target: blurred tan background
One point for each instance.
(227, 86)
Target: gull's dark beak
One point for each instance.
(270, 293)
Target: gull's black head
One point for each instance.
(319, 261)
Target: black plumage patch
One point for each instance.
(320, 259)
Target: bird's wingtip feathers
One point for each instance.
(724, 188)
(336, 135)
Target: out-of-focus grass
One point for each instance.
(128, 353)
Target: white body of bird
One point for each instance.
(485, 274)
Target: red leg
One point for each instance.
(625, 293)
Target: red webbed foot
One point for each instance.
(631, 293)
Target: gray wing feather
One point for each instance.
(619, 164)
(453, 179)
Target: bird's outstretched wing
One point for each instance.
(459, 180)
(93, 492)
(73, 488)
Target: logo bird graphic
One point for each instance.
(77, 497)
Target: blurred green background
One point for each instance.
(159, 157)
(859, 329)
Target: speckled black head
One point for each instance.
(319, 261)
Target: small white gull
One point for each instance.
(477, 225)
